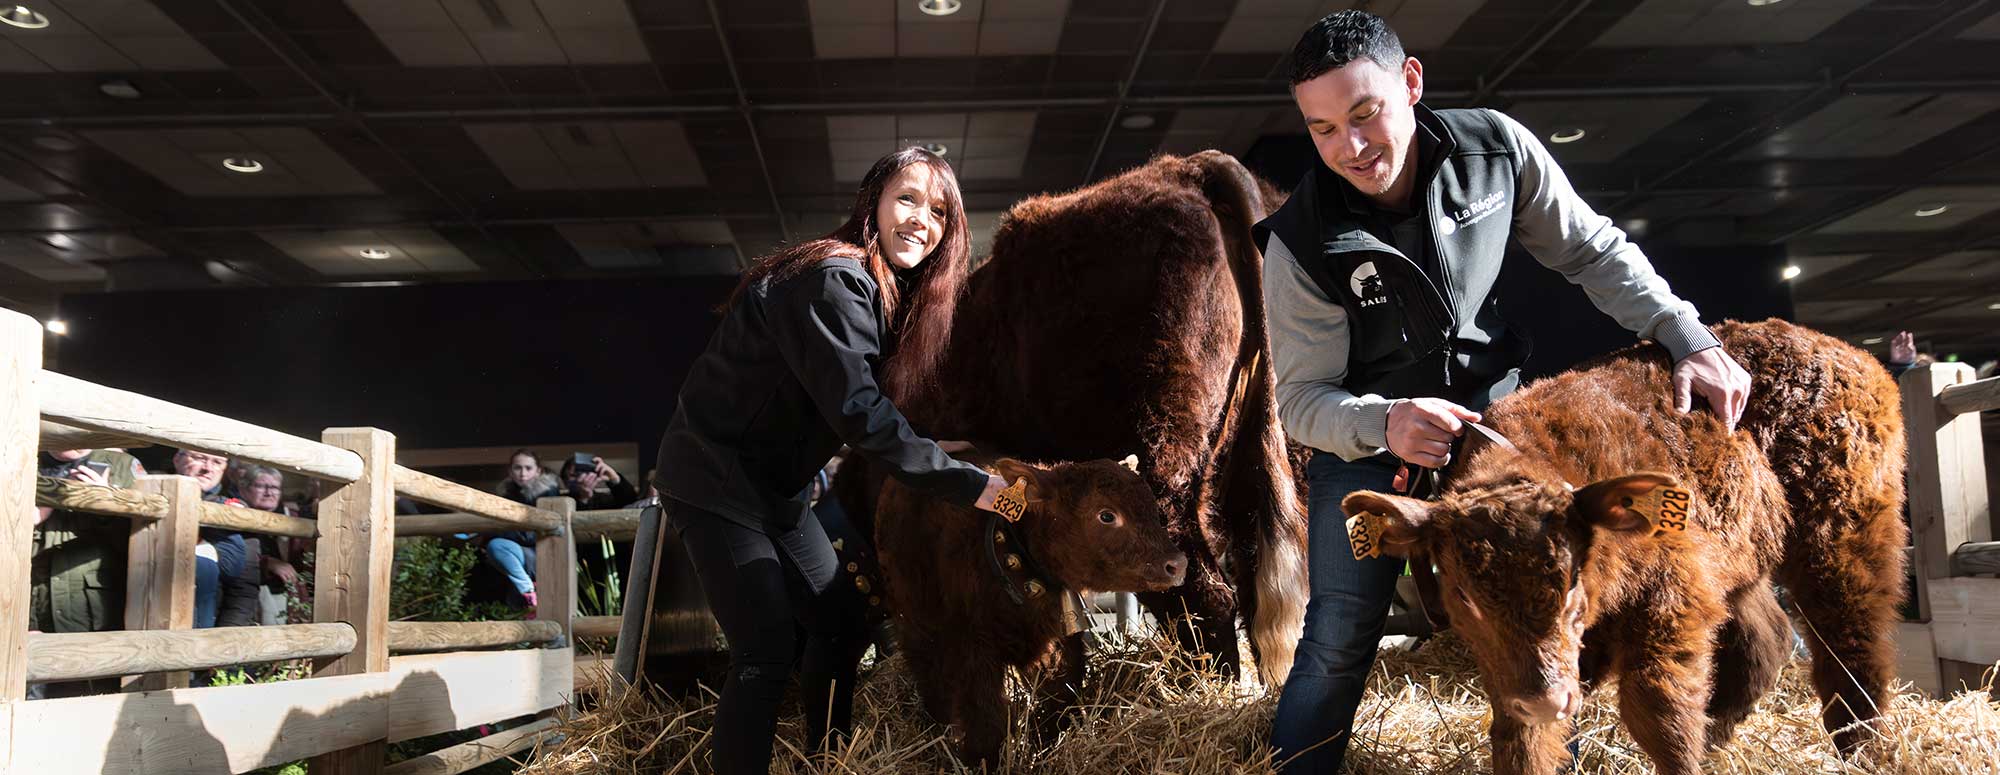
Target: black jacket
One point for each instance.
(787, 378)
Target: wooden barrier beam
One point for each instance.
(1970, 397)
(421, 486)
(91, 406)
(83, 655)
(1947, 474)
(242, 728)
(595, 675)
(459, 636)
(555, 569)
(1965, 619)
(57, 437)
(1975, 557)
(597, 626)
(355, 549)
(20, 363)
(96, 499)
(619, 524)
(468, 755)
(159, 575)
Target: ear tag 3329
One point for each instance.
(1012, 502)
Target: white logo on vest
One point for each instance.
(1367, 285)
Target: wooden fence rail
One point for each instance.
(81, 655)
(1956, 635)
(619, 524)
(458, 636)
(96, 499)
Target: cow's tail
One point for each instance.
(1260, 473)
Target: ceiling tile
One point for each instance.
(1611, 127)
(338, 252)
(1025, 10)
(1976, 266)
(1873, 125)
(998, 38)
(852, 12)
(860, 127)
(1724, 22)
(1424, 25)
(1898, 213)
(296, 161)
(939, 39)
(854, 41)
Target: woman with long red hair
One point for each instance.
(814, 345)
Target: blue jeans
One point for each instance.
(515, 560)
(1344, 621)
(207, 591)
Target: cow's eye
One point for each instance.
(1107, 517)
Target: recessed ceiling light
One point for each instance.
(1762, 2)
(243, 165)
(23, 17)
(939, 7)
(1792, 271)
(1872, 340)
(60, 241)
(1930, 210)
(1994, 305)
(375, 253)
(57, 327)
(1569, 135)
(120, 88)
(1136, 121)
(937, 148)
(54, 143)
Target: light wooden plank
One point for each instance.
(240, 728)
(1978, 557)
(205, 731)
(595, 674)
(1971, 397)
(114, 501)
(1965, 619)
(458, 636)
(619, 524)
(597, 626)
(1916, 656)
(159, 575)
(468, 755)
(1947, 474)
(57, 437)
(80, 655)
(355, 549)
(442, 692)
(20, 363)
(88, 405)
(452, 495)
(555, 569)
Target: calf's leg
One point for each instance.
(1749, 651)
(1059, 679)
(1662, 691)
(1528, 749)
(979, 707)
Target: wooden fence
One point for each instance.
(367, 689)
(1955, 637)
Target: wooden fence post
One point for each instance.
(20, 423)
(159, 578)
(555, 571)
(351, 578)
(1947, 489)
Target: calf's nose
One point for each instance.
(1555, 704)
(1177, 568)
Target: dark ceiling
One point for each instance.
(518, 139)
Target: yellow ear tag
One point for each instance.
(1666, 508)
(1364, 535)
(1013, 501)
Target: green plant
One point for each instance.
(430, 583)
(600, 596)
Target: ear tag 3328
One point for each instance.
(1364, 535)
(1666, 508)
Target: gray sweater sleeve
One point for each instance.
(1309, 340)
(1561, 231)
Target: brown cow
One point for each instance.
(1556, 590)
(1128, 316)
(951, 575)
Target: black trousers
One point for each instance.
(764, 590)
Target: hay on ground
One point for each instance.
(1152, 709)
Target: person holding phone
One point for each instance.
(582, 474)
(77, 576)
(816, 345)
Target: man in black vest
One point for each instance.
(1386, 337)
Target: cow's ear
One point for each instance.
(1634, 503)
(1399, 524)
(1014, 470)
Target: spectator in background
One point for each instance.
(513, 551)
(581, 482)
(263, 488)
(77, 570)
(225, 590)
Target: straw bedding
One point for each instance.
(1152, 709)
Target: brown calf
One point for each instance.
(1556, 590)
(1089, 526)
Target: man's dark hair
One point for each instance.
(1342, 37)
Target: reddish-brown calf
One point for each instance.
(1557, 590)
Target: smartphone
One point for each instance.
(102, 468)
(584, 461)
